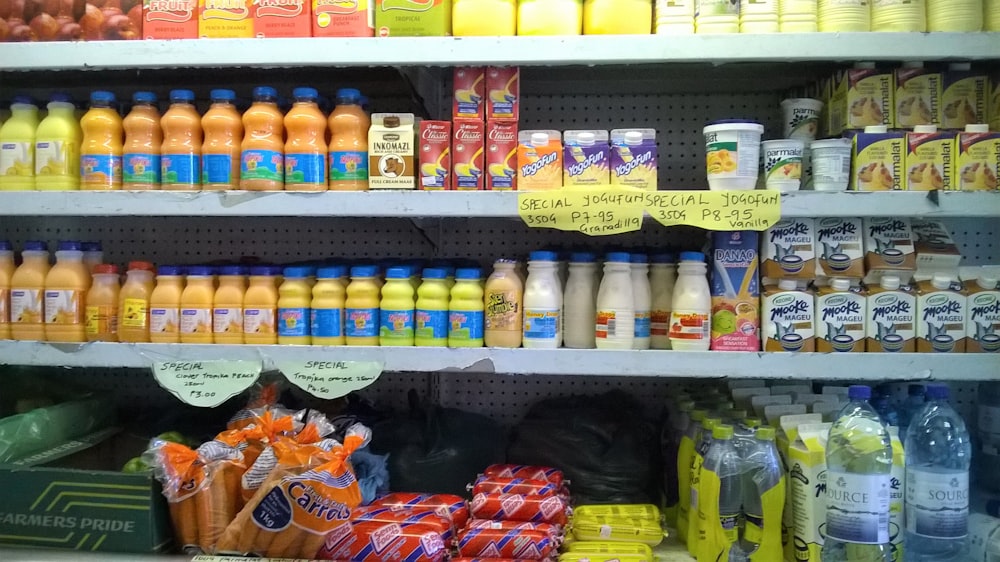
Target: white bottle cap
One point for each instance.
(925, 128)
(987, 282)
(788, 285)
(539, 139)
(941, 281)
(840, 284)
(977, 128)
(890, 282)
(633, 138)
(586, 139)
(877, 129)
(913, 64)
(960, 66)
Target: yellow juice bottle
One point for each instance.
(165, 305)
(465, 309)
(26, 293)
(431, 315)
(196, 306)
(102, 146)
(102, 304)
(397, 308)
(294, 301)
(17, 146)
(329, 295)
(57, 147)
(362, 307)
(260, 306)
(66, 284)
(133, 303)
(227, 314)
(6, 272)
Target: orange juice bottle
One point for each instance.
(143, 137)
(6, 272)
(180, 163)
(102, 304)
(101, 151)
(26, 293)
(349, 126)
(133, 303)
(165, 305)
(262, 163)
(227, 314)
(294, 307)
(66, 285)
(260, 306)
(220, 153)
(305, 150)
(196, 306)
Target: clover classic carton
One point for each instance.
(889, 248)
(468, 92)
(501, 155)
(467, 148)
(942, 307)
(891, 317)
(170, 19)
(982, 334)
(788, 322)
(435, 155)
(735, 291)
(503, 92)
(839, 251)
(391, 152)
(788, 250)
(413, 18)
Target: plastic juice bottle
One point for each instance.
(690, 324)
(133, 303)
(465, 309)
(615, 323)
(6, 272)
(262, 161)
(349, 126)
(17, 146)
(329, 294)
(92, 255)
(294, 300)
(66, 286)
(504, 300)
(143, 140)
(260, 306)
(542, 302)
(220, 152)
(580, 301)
(432, 309)
(165, 305)
(26, 293)
(662, 274)
(306, 148)
(57, 146)
(102, 304)
(180, 163)
(101, 150)
(396, 309)
(196, 306)
(483, 18)
(227, 312)
(361, 322)
(642, 299)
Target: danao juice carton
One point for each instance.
(501, 155)
(982, 331)
(941, 312)
(977, 159)
(413, 18)
(170, 19)
(735, 291)
(503, 90)
(539, 160)
(888, 243)
(633, 158)
(390, 151)
(224, 19)
(468, 91)
(840, 317)
(342, 18)
(838, 248)
(929, 154)
(468, 144)
(585, 158)
(789, 317)
(788, 250)
(892, 311)
(878, 160)
(963, 101)
(435, 155)
(918, 96)
(282, 18)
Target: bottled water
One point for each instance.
(858, 484)
(763, 499)
(696, 525)
(722, 499)
(913, 403)
(938, 454)
(685, 459)
(883, 405)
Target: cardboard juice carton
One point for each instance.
(585, 158)
(503, 92)
(878, 160)
(633, 158)
(838, 248)
(788, 250)
(862, 96)
(435, 155)
(539, 160)
(391, 152)
(342, 18)
(918, 96)
(963, 101)
(467, 145)
(982, 333)
(993, 102)
(977, 159)
(897, 496)
(807, 474)
(929, 155)
(170, 19)
(888, 244)
(788, 322)
(891, 315)
(840, 317)
(936, 250)
(413, 18)
(282, 18)
(226, 19)
(942, 307)
(501, 155)
(735, 291)
(469, 89)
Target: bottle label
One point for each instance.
(327, 322)
(228, 320)
(305, 168)
(689, 325)
(258, 320)
(465, 325)
(140, 167)
(105, 169)
(216, 168)
(502, 311)
(135, 313)
(348, 166)
(102, 319)
(730, 524)
(262, 165)
(937, 504)
(16, 158)
(4, 309)
(53, 158)
(989, 419)
(164, 320)
(361, 323)
(63, 307)
(179, 169)
(196, 320)
(293, 322)
(396, 324)
(857, 507)
(642, 324)
(541, 323)
(607, 324)
(432, 324)
(659, 323)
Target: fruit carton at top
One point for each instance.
(225, 19)
(413, 18)
(70, 20)
(170, 19)
(281, 18)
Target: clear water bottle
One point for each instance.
(722, 482)
(938, 455)
(858, 483)
(913, 403)
(883, 405)
(763, 499)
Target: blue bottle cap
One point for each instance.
(6, 246)
(200, 271)
(692, 256)
(582, 257)
(60, 97)
(859, 392)
(617, 257)
(296, 272)
(666, 257)
(232, 270)
(222, 95)
(307, 94)
(331, 272)
(938, 391)
(397, 273)
(36, 246)
(68, 246)
(639, 258)
(542, 255)
(348, 95)
(182, 96)
(91, 246)
(170, 270)
(27, 100)
(101, 98)
(434, 273)
(265, 93)
(364, 271)
(468, 273)
(144, 97)
(265, 270)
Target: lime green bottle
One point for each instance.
(17, 146)
(57, 147)
(431, 317)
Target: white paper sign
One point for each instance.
(206, 383)
(330, 379)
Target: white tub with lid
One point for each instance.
(732, 154)
(782, 164)
(801, 117)
(831, 164)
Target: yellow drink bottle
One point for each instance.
(260, 306)
(133, 303)
(17, 146)
(57, 147)
(66, 284)
(102, 304)
(165, 305)
(362, 307)
(227, 314)
(465, 309)
(431, 316)
(102, 146)
(396, 309)
(483, 18)
(329, 295)
(26, 293)
(294, 300)
(6, 272)
(196, 306)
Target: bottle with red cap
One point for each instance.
(102, 304)
(133, 303)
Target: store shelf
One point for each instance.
(866, 366)
(442, 204)
(547, 51)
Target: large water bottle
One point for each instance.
(883, 405)
(763, 499)
(913, 403)
(938, 455)
(722, 499)
(858, 483)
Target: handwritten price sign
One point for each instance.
(330, 379)
(206, 383)
(596, 212)
(715, 210)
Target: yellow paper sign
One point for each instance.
(206, 383)
(716, 210)
(596, 212)
(330, 379)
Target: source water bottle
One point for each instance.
(913, 403)
(938, 455)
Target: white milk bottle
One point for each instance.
(579, 301)
(542, 302)
(690, 325)
(662, 275)
(615, 327)
(642, 298)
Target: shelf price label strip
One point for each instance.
(330, 379)
(206, 383)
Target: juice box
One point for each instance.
(807, 474)
(838, 248)
(897, 496)
(503, 89)
(788, 250)
(342, 18)
(501, 155)
(942, 307)
(993, 102)
(282, 18)
(840, 319)
(963, 101)
(467, 155)
(735, 291)
(977, 161)
(413, 18)
(936, 250)
(585, 158)
(435, 155)
(888, 244)
(861, 97)
(918, 97)
(468, 92)
(789, 318)
(982, 332)
(929, 160)
(878, 160)
(170, 19)
(225, 19)
(891, 319)
(633, 158)
(539, 160)
(390, 152)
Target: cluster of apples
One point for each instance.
(70, 20)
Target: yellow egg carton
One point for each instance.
(597, 557)
(612, 548)
(615, 529)
(637, 511)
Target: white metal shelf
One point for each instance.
(442, 204)
(545, 51)
(828, 366)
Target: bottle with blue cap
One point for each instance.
(294, 306)
(57, 146)
(329, 294)
(180, 162)
(17, 146)
(6, 272)
(165, 305)
(465, 309)
(580, 301)
(27, 296)
(690, 320)
(615, 322)
(306, 148)
(66, 285)
(143, 139)
(349, 125)
(504, 306)
(662, 276)
(642, 296)
(227, 308)
(102, 146)
(220, 151)
(431, 315)
(196, 306)
(396, 323)
(262, 161)
(362, 306)
(543, 302)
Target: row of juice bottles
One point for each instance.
(262, 150)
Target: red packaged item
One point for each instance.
(501, 155)
(550, 474)
(498, 485)
(468, 159)
(376, 541)
(170, 19)
(480, 559)
(469, 90)
(503, 92)
(524, 544)
(435, 155)
(424, 516)
(520, 507)
(554, 531)
(451, 506)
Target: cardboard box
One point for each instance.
(170, 19)
(435, 155)
(918, 97)
(391, 152)
(936, 250)
(503, 92)
(413, 18)
(90, 20)
(468, 91)
(929, 163)
(225, 19)
(282, 18)
(501, 155)
(342, 18)
(735, 291)
(468, 144)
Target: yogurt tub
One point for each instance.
(732, 153)
(831, 164)
(800, 117)
(782, 164)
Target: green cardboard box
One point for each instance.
(413, 18)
